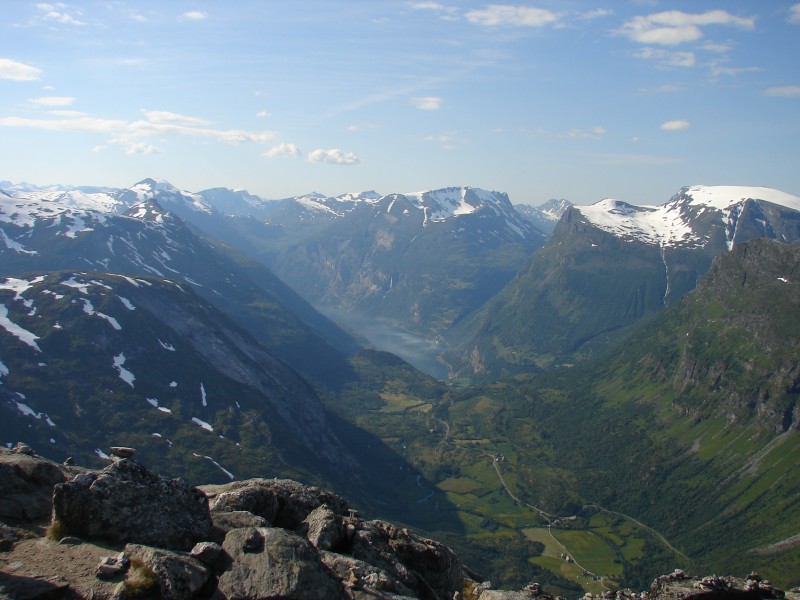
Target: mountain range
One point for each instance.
(167, 320)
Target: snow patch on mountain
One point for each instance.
(451, 202)
(22, 334)
(722, 197)
(124, 374)
(661, 225)
(671, 224)
(203, 424)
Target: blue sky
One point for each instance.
(576, 99)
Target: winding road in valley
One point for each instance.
(550, 518)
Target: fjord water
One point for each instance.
(382, 334)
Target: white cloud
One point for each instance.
(445, 12)
(505, 14)
(262, 114)
(53, 101)
(597, 13)
(595, 133)
(671, 59)
(786, 91)
(794, 13)
(354, 128)
(11, 69)
(283, 150)
(194, 15)
(67, 114)
(133, 146)
(133, 134)
(83, 124)
(56, 12)
(164, 116)
(718, 68)
(718, 47)
(427, 6)
(333, 156)
(449, 140)
(427, 102)
(674, 27)
(676, 125)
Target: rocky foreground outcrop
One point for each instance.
(125, 532)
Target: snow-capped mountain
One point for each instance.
(545, 216)
(420, 259)
(607, 266)
(699, 216)
(128, 232)
(432, 206)
(169, 197)
(235, 203)
(314, 207)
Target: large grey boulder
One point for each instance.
(180, 576)
(235, 519)
(437, 566)
(359, 575)
(324, 529)
(274, 563)
(371, 544)
(127, 503)
(282, 502)
(26, 486)
(428, 568)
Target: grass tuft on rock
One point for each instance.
(141, 581)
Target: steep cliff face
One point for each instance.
(730, 348)
(88, 357)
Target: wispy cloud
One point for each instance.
(164, 116)
(794, 14)
(283, 150)
(786, 91)
(11, 69)
(427, 102)
(262, 114)
(53, 101)
(677, 125)
(444, 10)
(84, 124)
(131, 145)
(60, 13)
(333, 156)
(497, 15)
(134, 134)
(667, 58)
(448, 140)
(675, 27)
(595, 133)
(718, 47)
(718, 68)
(596, 14)
(194, 15)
